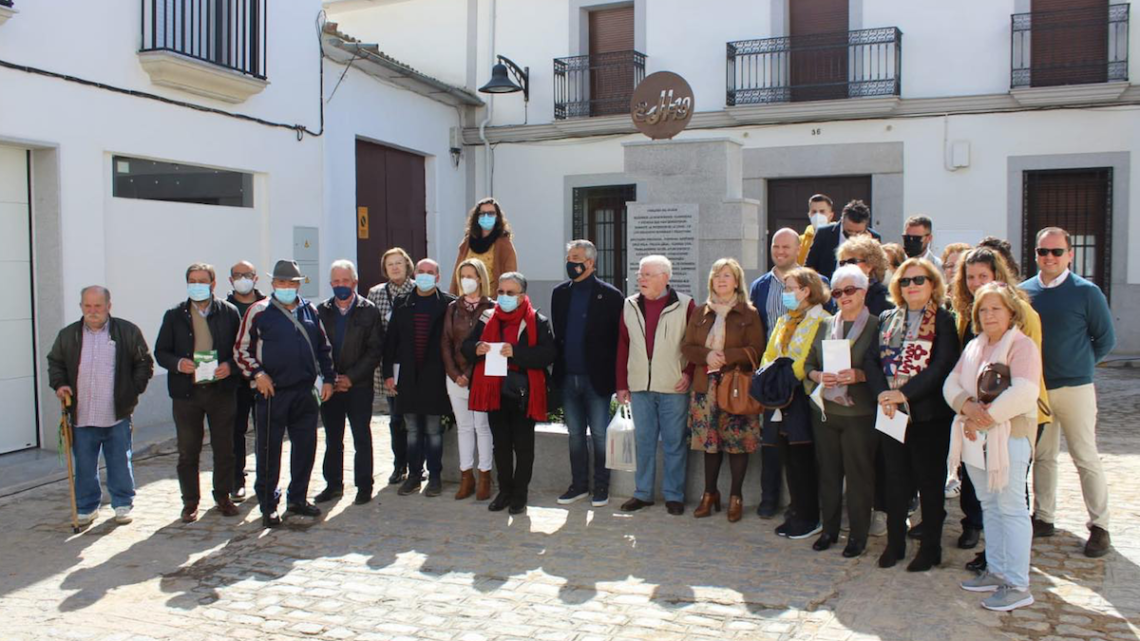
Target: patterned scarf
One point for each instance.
(486, 391)
(715, 339)
(795, 317)
(906, 353)
(838, 394)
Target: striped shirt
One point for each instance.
(95, 396)
(774, 306)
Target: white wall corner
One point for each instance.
(169, 69)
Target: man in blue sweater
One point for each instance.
(1077, 333)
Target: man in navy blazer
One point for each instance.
(586, 313)
(856, 219)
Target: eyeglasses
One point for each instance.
(846, 291)
(1056, 251)
(249, 275)
(917, 280)
(851, 261)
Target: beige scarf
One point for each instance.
(997, 436)
(715, 339)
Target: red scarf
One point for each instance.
(486, 391)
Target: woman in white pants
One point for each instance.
(473, 429)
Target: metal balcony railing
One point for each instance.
(227, 33)
(597, 85)
(1069, 47)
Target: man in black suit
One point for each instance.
(856, 219)
(586, 312)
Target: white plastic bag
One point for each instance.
(621, 444)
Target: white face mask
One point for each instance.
(469, 285)
(243, 286)
(818, 220)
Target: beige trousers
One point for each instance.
(1074, 413)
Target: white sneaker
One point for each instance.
(87, 519)
(123, 515)
(878, 524)
(953, 488)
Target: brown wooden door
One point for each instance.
(818, 60)
(390, 187)
(1069, 42)
(788, 200)
(600, 217)
(1077, 201)
(611, 63)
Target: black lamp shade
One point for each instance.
(500, 82)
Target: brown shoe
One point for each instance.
(227, 507)
(189, 512)
(466, 485)
(1099, 542)
(735, 508)
(634, 505)
(709, 501)
(483, 491)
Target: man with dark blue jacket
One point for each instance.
(856, 219)
(283, 348)
(586, 312)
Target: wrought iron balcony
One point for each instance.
(1069, 47)
(597, 85)
(827, 66)
(227, 33)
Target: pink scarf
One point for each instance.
(997, 436)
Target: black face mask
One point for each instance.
(574, 270)
(913, 246)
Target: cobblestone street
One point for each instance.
(418, 568)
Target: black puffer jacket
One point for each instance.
(134, 365)
(176, 341)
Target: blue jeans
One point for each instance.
(425, 441)
(1005, 517)
(585, 407)
(115, 442)
(657, 415)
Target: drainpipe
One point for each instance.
(488, 153)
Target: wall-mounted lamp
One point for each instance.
(501, 82)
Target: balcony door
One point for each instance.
(818, 63)
(1069, 42)
(612, 74)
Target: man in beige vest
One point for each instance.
(654, 376)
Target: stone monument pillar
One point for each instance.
(691, 209)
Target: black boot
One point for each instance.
(927, 557)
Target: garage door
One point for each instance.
(18, 427)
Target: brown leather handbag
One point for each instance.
(992, 381)
(732, 394)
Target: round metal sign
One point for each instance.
(662, 105)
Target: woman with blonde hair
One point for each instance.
(1007, 417)
(472, 427)
(722, 335)
(866, 252)
(950, 257)
(397, 266)
(488, 239)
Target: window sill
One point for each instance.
(5, 13)
(169, 69)
(1068, 94)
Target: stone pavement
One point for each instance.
(418, 568)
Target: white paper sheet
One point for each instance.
(974, 452)
(496, 364)
(836, 355)
(817, 396)
(206, 371)
(892, 427)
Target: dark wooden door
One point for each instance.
(391, 208)
(818, 59)
(611, 60)
(1079, 202)
(788, 200)
(1069, 42)
(600, 217)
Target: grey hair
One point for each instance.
(517, 277)
(106, 292)
(657, 259)
(581, 243)
(851, 273)
(344, 263)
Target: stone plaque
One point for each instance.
(662, 105)
(669, 230)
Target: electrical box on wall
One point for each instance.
(306, 251)
(960, 154)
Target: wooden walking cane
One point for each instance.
(65, 431)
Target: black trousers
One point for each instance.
(798, 461)
(397, 429)
(771, 475)
(217, 404)
(920, 464)
(512, 433)
(292, 410)
(845, 446)
(241, 427)
(356, 406)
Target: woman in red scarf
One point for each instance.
(516, 401)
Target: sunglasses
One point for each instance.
(851, 261)
(1056, 251)
(846, 291)
(917, 280)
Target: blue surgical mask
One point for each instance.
(508, 303)
(198, 292)
(789, 300)
(425, 282)
(287, 295)
(342, 293)
(487, 221)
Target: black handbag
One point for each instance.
(992, 381)
(516, 385)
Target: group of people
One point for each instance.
(956, 343)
